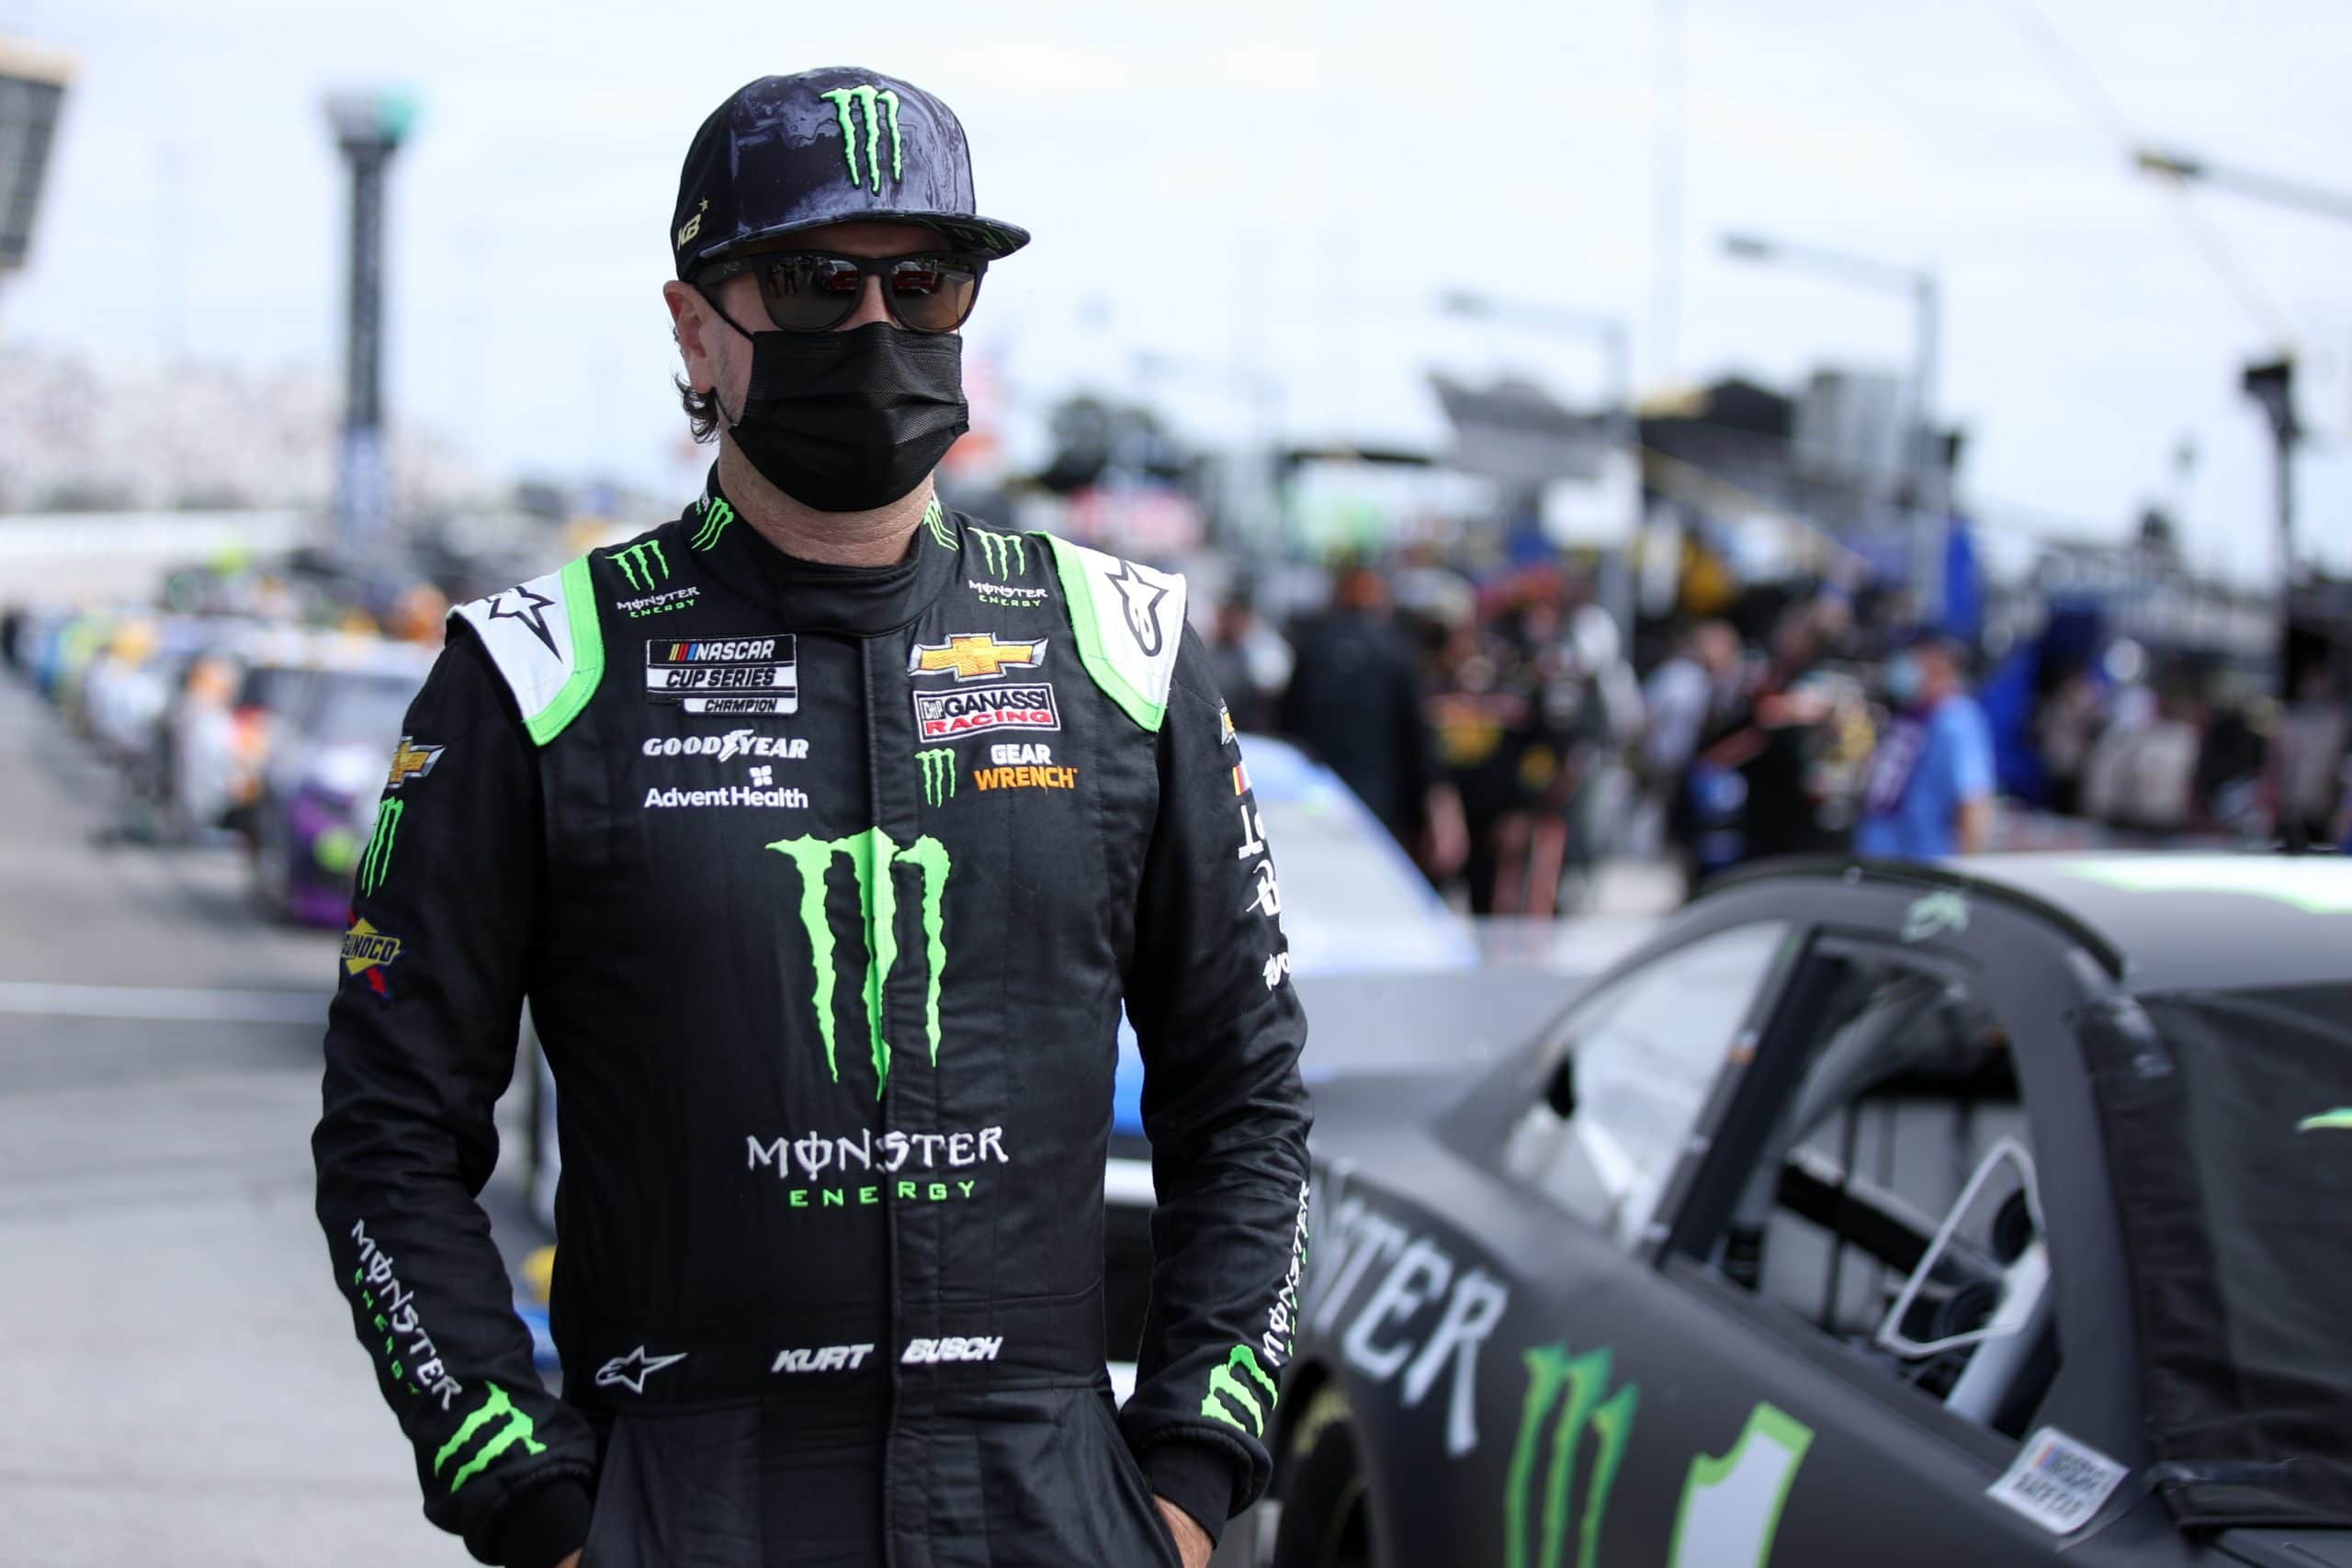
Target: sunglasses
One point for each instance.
(815, 291)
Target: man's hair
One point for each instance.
(701, 410)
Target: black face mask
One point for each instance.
(847, 422)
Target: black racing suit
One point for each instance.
(826, 886)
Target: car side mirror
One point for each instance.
(1560, 1088)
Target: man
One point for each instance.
(826, 916)
(1928, 790)
(1354, 700)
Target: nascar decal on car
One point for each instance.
(823, 1358)
(1423, 1318)
(1731, 1507)
(724, 675)
(1563, 1403)
(1934, 915)
(1016, 765)
(950, 715)
(974, 656)
(411, 760)
(630, 1371)
(499, 1424)
(2057, 1482)
(389, 1308)
(377, 862)
(368, 951)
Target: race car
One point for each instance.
(1997, 1212)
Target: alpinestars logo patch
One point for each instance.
(1140, 601)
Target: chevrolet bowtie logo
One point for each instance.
(975, 656)
(412, 761)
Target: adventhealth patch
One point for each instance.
(724, 675)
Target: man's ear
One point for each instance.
(690, 321)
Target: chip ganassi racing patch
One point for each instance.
(1015, 704)
(725, 674)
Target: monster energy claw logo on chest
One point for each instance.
(938, 766)
(873, 100)
(873, 856)
(1006, 553)
(639, 562)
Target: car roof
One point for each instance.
(2187, 920)
(2162, 921)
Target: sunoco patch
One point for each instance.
(1021, 705)
(2057, 1482)
(725, 674)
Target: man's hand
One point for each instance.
(571, 1561)
(1193, 1543)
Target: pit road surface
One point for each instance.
(181, 1383)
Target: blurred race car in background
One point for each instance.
(325, 771)
(1999, 1213)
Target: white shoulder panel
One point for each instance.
(544, 638)
(1129, 621)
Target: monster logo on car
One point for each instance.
(1573, 1385)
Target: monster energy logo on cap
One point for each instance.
(1573, 1384)
(872, 855)
(870, 98)
(715, 515)
(637, 566)
(513, 1427)
(377, 861)
(938, 773)
(1228, 1394)
(1007, 553)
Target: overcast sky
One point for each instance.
(1259, 187)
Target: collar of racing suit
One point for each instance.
(814, 596)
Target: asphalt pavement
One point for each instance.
(181, 1382)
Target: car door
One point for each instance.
(1865, 1348)
(1468, 1280)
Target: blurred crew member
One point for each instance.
(827, 833)
(1355, 702)
(1929, 791)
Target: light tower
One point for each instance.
(32, 89)
(370, 127)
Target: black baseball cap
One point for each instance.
(832, 145)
